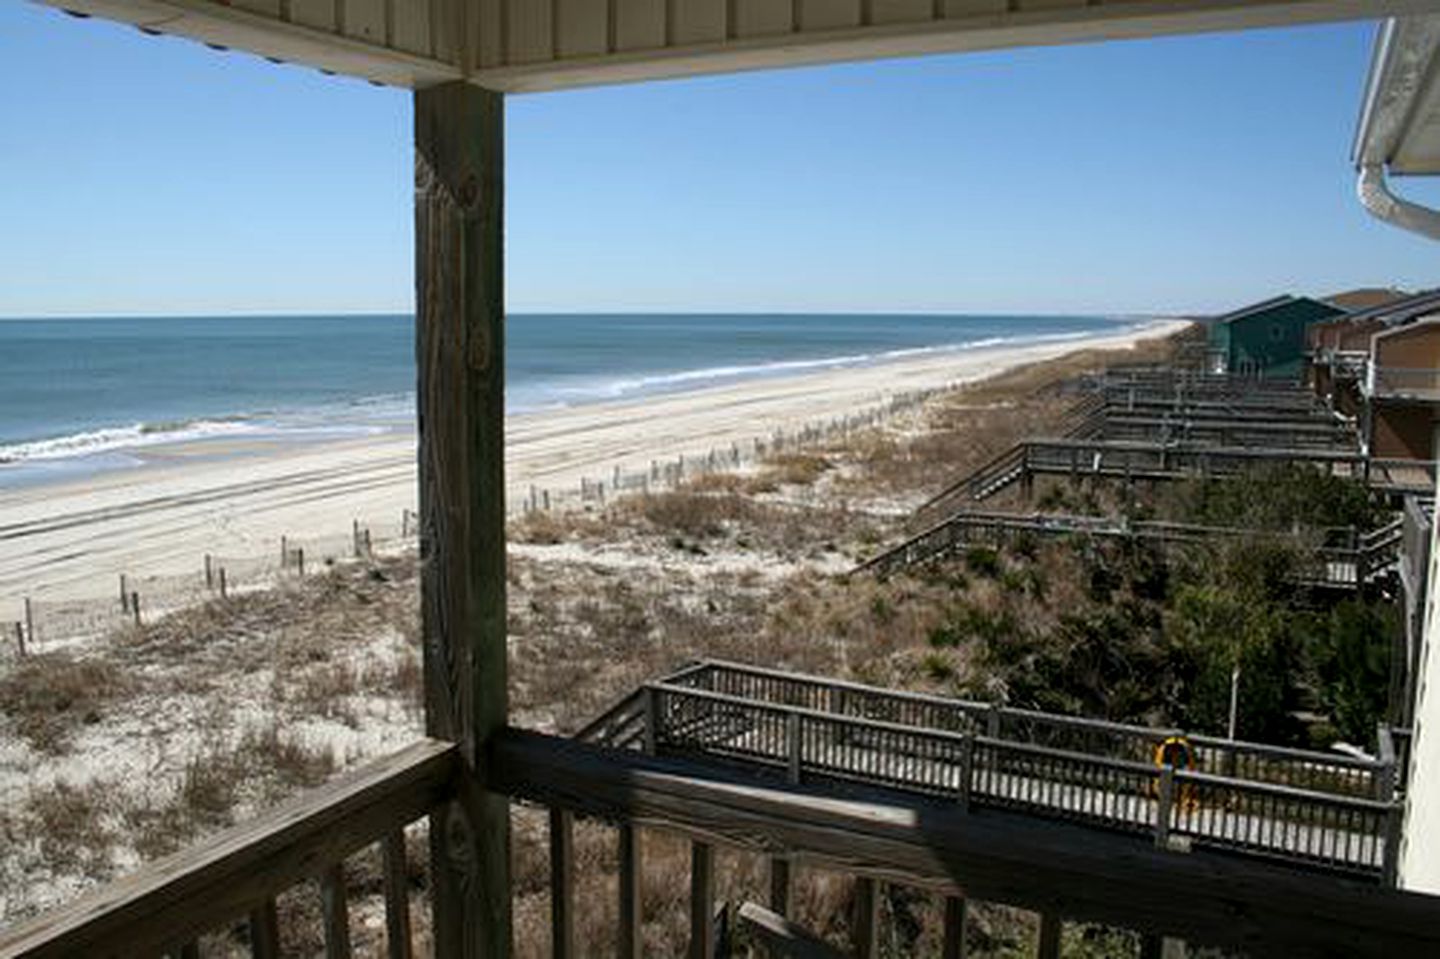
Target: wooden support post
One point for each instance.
(124, 595)
(30, 622)
(20, 639)
(135, 606)
(954, 947)
(460, 404)
(702, 901)
(209, 573)
(335, 912)
(562, 884)
(1048, 946)
(397, 896)
(300, 561)
(223, 592)
(629, 880)
(867, 918)
(1164, 800)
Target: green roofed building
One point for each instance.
(1266, 338)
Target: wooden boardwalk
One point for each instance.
(1307, 809)
(1344, 559)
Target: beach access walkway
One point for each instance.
(1310, 810)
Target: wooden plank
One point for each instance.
(1097, 876)
(781, 938)
(866, 922)
(215, 881)
(954, 942)
(702, 901)
(629, 891)
(335, 912)
(562, 884)
(396, 884)
(461, 409)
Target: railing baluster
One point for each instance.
(335, 911)
(562, 884)
(265, 931)
(629, 891)
(397, 896)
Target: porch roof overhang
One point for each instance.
(528, 45)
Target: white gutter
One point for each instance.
(1402, 70)
(1376, 196)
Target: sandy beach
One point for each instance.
(71, 539)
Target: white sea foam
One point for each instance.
(121, 437)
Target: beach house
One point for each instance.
(1337, 353)
(1402, 391)
(1137, 870)
(1266, 339)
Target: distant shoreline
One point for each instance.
(177, 380)
(239, 495)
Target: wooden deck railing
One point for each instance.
(1257, 762)
(1332, 829)
(238, 873)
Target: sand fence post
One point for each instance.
(30, 620)
(20, 638)
(300, 561)
(135, 606)
(369, 546)
(547, 499)
(355, 537)
(284, 551)
(209, 573)
(222, 583)
(124, 595)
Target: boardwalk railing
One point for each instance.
(1335, 830)
(1137, 460)
(238, 874)
(1343, 558)
(1313, 808)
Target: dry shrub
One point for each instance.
(696, 515)
(551, 527)
(46, 696)
(72, 824)
(794, 469)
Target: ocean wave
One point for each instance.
(110, 439)
(680, 379)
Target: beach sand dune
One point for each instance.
(71, 539)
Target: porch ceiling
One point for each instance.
(522, 45)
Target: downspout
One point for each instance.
(1376, 196)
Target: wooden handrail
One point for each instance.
(222, 878)
(1099, 875)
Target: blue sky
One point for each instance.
(153, 175)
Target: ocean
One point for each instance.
(91, 393)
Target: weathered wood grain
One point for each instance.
(1059, 868)
(781, 938)
(225, 877)
(460, 404)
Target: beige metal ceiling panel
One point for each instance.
(520, 45)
